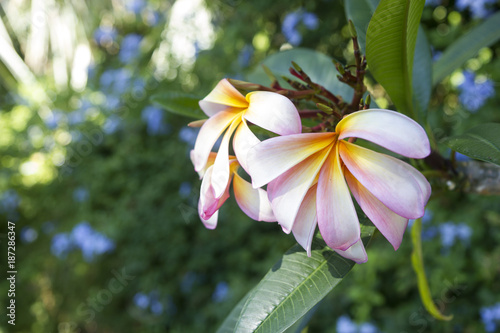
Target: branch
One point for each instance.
(480, 177)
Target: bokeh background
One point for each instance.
(99, 182)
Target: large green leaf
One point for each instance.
(180, 103)
(361, 12)
(466, 47)
(390, 47)
(318, 66)
(481, 142)
(291, 288)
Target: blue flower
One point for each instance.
(474, 93)
(185, 189)
(80, 194)
(292, 20)
(153, 117)
(61, 245)
(76, 117)
(105, 35)
(130, 48)
(188, 280)
(433, 3)
(221, 292)
(9, 201)
(135, 6)
(245, 55)
(141, 300)
(450, 232)
(188, 135)
(490, 317)
(346, 325)
(116, 81)
(89, 241)
(112, 124)
(478, 8)
(54, 119)
(156, 307)
(28, 235)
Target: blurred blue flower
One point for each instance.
(221, 292)
(245, 55)
(112, 124)
(80, 194)
(89, 241)
(115, 81)
(76, 117)
(188, 135)
(55, 118)
(129, 49)
(188, 280)
(474, 93)
(153, 117)
(105, 35)
(291, 22)
(346, 325)
(141, 300)
(490, 317)
(135, 6)
(429, 233)
(478, 8)
(61, 245)
(433, 3)
(112, 102)
(48, 227)
(152, 17)
(450, 232)
(9, 201)
(28, 235)
(156, 307)
(185, 189)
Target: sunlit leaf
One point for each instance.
(466, 47)
(481, 142)
(360, 12)
(390, 47)
(293, 286)
(418, 265)
(180, 103)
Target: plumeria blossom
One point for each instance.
(253, 202)
(229, 111)
(309, 176)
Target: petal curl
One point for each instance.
(243, 140)
(288, 190)
(221, 174)
(389, 129)
(211, 222)
(253, 202)
(306, 221)
(390, 224)
(222, 96)
(400, 187)
(272, 157)
(356, 252)
(337, 218)
(208, 135)
(209, 204)
(274, 112)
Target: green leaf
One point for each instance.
(292, 287)
(180, 103)
(466, 47)
(360, 12)
(422, 76)
(318, 66)
(390, 47)
(481, 142)
(418, 265)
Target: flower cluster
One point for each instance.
(474, 92)
(310, 176)
(491, 317)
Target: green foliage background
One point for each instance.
(133, 180)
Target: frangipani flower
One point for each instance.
(253, 202)
(229, 111)
(309, 177)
